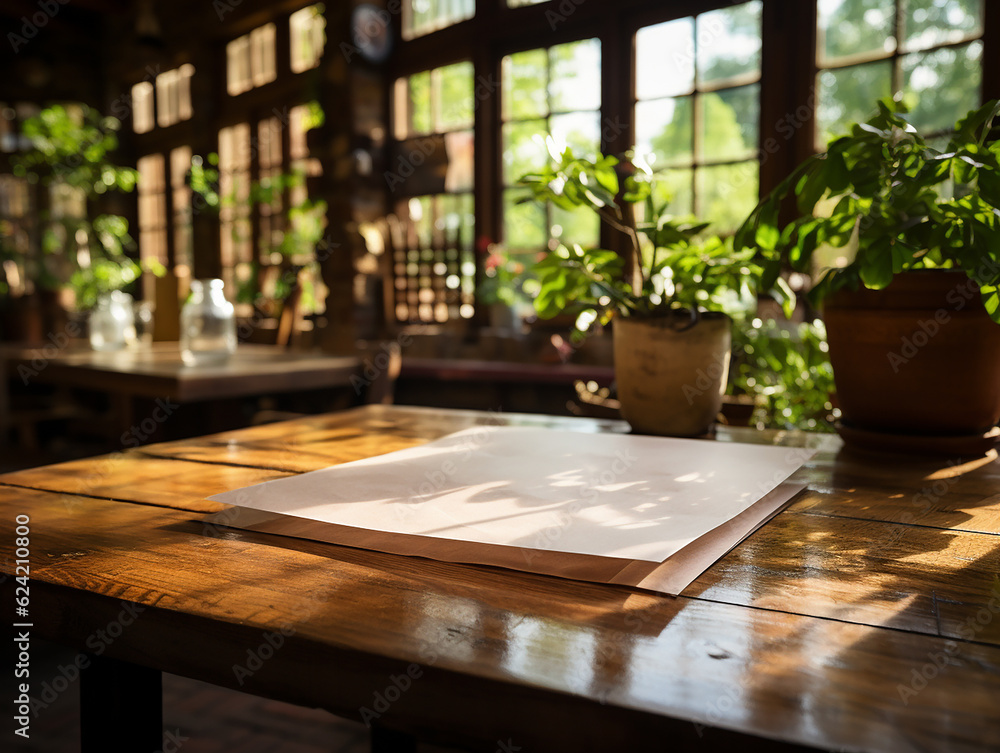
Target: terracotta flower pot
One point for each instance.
(921, 357)
(670, 378)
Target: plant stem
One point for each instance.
(635, 257)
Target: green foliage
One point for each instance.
(503, 278)
(72, 146)
(71, 156)
(788, 371)
(305, 223)
(890, 203)
(677, 268)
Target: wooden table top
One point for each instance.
(157, 371)
(865, 617)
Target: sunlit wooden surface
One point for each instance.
(864, 617)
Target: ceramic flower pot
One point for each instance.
(919, 358)
(671, 376)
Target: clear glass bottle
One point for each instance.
(112, 322)
(208, 325)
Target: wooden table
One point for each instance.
(865, 617)
(157, 373)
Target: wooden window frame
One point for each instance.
(789, 66)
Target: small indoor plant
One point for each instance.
(670, 293)
(912, 302)
(81, 242)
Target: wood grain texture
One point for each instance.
(810, 632)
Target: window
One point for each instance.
(142, 107)
(173, 96)
(929, 50)
(234, 213)
(432, 178)
(16, 228)
(697, 111)
(250, 60)
(152, 191)
(548, 93)
(162, 100)
(180, 163)
(306, 29)
(424, 16)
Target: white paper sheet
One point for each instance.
(609, 495)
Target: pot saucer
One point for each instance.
(962, 445)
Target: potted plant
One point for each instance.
(670, 294)
(911, 236)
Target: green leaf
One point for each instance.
(877, 265)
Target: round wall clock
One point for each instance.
(371, 32)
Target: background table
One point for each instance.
(862, 618)
(157, 373)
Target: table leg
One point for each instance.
(390, 741)
(121, 707)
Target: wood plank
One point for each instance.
(563, 664)
(131, 477)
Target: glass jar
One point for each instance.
(112, 322)
(208, 325)
(143, 311)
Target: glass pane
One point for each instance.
(675, 188)
(942, 85)
(420, 103)
(424, 16)
(575, 82)
(664, 59)
(263, 68)
(581, 131)
(238, 66)
(727, 194)
(523, 224)
(453, 96)
(578, 226)
(849, 95)
(729, 123)
(306, 29)
(523, 149)
(932, 22)
(525, 78)
(142, 108)
(459, 146)
(729, 42)
(855, 27)
(664, 128)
